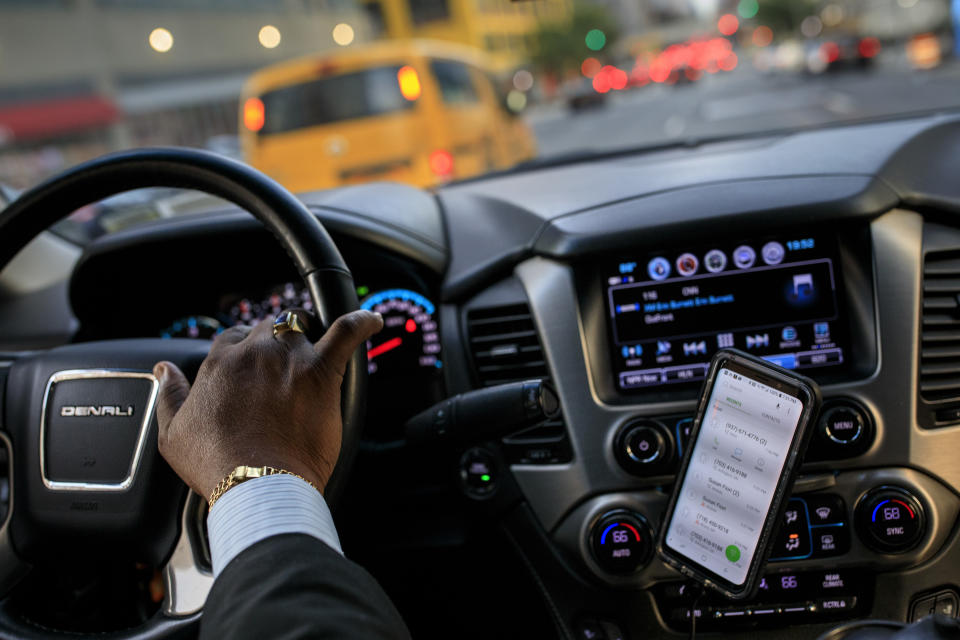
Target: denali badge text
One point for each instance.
(101, 410)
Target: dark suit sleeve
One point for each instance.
(293, 586)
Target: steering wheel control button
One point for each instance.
(843, 424)
(621, 542)
(478, 473)
(890, 519)
(94, 428)
(644, 448)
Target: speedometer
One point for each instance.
(409, 340)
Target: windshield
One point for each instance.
(324, 93)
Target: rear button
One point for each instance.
(830, 541)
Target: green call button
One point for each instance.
(733, 552)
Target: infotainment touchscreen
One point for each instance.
(777, 298)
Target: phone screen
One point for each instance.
(735, 466)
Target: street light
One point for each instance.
(161, 40)
(269, 36)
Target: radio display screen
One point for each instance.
(776, 298)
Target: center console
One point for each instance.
(867, 531)
(650, 321)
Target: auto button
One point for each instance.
(621, 542)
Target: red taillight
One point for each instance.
(728, 24)
(253, 114)
(869, 47)
(830, 51)
(441, 163)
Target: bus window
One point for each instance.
(348, 96)
(456, 85)
(374, 12)
(423, 11)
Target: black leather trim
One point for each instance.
(12, 625)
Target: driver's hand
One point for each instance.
(260, 400)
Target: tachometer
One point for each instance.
(409, 341)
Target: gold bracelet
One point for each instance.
(243, 473)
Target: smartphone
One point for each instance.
(749, 435)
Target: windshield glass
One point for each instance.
(324, 93)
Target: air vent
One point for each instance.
(940, 342)
(506, 348)
(505, 345)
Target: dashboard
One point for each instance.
(835, 252)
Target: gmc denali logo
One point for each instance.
(115, 411)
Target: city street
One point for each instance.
(743, 101)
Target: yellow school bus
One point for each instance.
(419, 112)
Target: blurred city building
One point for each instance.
(96, 75)
(502, 28)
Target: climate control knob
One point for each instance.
(890, 519)
(621, 542)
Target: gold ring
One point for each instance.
(287, 321)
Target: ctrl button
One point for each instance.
(837, 604)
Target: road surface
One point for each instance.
(742, 101)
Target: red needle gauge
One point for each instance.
(392, 343)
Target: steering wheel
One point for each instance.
(81, 486)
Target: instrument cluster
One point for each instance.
(404, 359)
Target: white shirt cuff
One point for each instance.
(264, 507)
